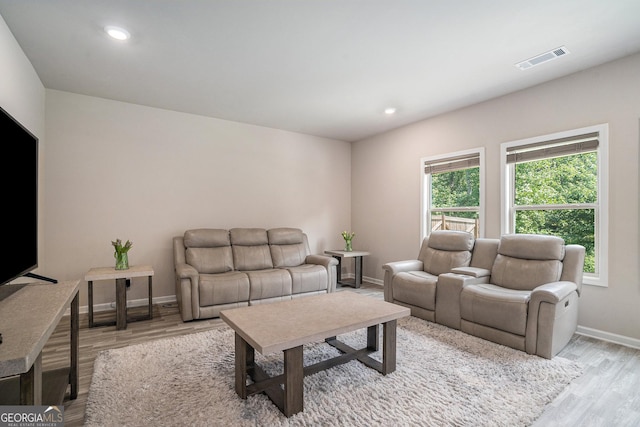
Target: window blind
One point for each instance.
(451, 164)
(553, 148)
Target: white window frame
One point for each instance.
(507, 211)
(425, 189)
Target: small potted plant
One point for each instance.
(348, 236)
(122, 259)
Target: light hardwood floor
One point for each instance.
(607, 394)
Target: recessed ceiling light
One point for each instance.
(117, 33)
(389, 111)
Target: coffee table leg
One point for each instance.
(389, 347)
(293, 381)
(373, 337)
(244, 360)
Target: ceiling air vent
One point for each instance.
(542, 58)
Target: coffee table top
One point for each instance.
(279, 326)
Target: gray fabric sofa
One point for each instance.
(218, 269)
(520, 291)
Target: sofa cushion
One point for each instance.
(208, 250)
(451, 240)
(524, 274)
(308, 278)
(496, 307)
(288, 255)
(248, 236)
(288, 248)
(206, 238)
(217, 289)
(285, 236)
(250, 249)
(439, 262)
(417, 288)
(269, 284)
(210, 260)
(444, 250)
(526, 261)
(532, 246)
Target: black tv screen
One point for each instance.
(19, 190)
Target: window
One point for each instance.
(556, 184)
(452, 196)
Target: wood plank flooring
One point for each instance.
(608, 394)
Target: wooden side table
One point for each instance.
(357, 257)
(28, 318)
(123, 279)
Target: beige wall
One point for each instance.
(118, 170)
(386, 176)
(22, 95)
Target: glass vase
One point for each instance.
(347, 245)
(122, 261)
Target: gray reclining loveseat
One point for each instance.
(520, 291)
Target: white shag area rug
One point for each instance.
(443, 377)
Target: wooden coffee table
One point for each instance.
(286, 326)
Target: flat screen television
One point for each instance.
(19, 195)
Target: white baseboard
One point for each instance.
(374, 281)
(143, 302)
(608, 336)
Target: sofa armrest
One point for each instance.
(187, 283)
(393, 268)
(400, 266)
(448, 292)
(186, 271)
(472, 271)
(328, 262)
(552, 318)
(553, 292)
(323, 260)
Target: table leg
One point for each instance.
(389, 347)
(245, 359)
(91, 303)
(338, 270)
(150, 298)
(373, 337)
(293, 381)
(31, 384)
(75, 338)
(358, 273)
(121, 304)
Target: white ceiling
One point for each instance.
(321, 67)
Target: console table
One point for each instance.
(27, 320)
(123, 280)
(357, 257)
